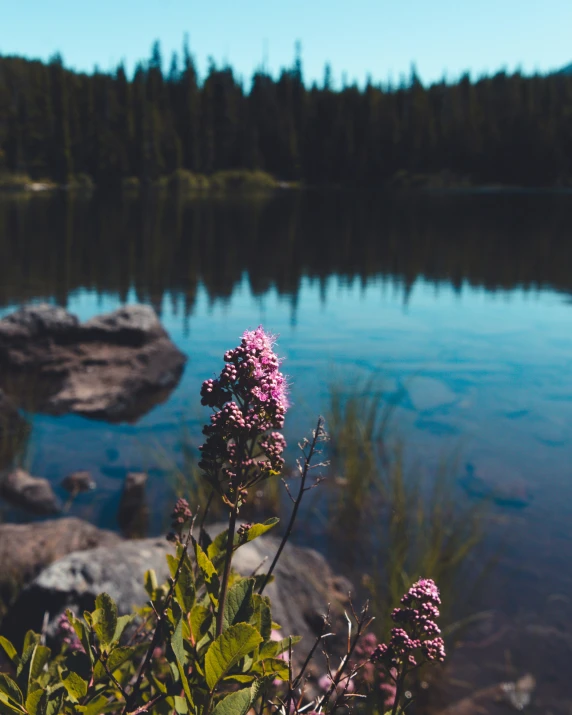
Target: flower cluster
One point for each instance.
(180, 517)
(416, 633)
(67, 635)
(249, 399)
(370, 673)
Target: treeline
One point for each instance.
(58, 124)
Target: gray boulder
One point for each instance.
(114, 367)
(304, 585)
(26, 549)
(33, 494)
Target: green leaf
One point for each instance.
(239, 703)
(53, 706)
(122, 623)
(234, 704)
(257, 530)
(117, 658)
(272, 649)
(276, 667)
(76, 687)
(181, 707)
(179, 650)
(173, 564)
(98, 705)
(9, 649)
(239, 606)
(218, 546)
(150, 583)
(225, 652)
(262, 617)
(7, 705)
(81, 630)
(185, 587)
(209, 574)
(238, 678)
(200, 621)
(30, 638)
(31, 665)
(104, 618)
(34, 701)
(10, 687)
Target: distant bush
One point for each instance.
(130, 185)
(185, 181)
(22, 183)
(243, 180)
(81, 182)
(14, 182)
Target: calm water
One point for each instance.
(460, 304)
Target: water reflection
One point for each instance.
(457, 303)
(53, 247)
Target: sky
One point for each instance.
(380, 38)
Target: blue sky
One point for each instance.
(379, 37)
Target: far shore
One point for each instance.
(238, 181)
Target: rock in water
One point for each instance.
(34, 494)
(78, 482)
(304, 586)
(496, 484)
(114, 367)
(133, 513)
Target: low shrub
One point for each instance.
(207, 644)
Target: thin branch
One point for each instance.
(114, 680)
(205, 513)
(318, 434)
(319, 639)
(150, 704)
(362, 624)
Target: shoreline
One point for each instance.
(184, 183)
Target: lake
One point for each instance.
(458, 305)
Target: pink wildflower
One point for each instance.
(249, 400)
(417, 632)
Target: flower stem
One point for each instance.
(227, 562)
(398, 689)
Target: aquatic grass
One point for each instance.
(16, 445)
(422, 528)
(414, 523)
(357, 419)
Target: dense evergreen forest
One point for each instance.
(57, 124)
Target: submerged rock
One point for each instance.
(304, 585)
(133, 513)
(496, 486)
(495, 698)
(114, 367)
(78, 482)
(34, 494)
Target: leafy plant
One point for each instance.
(206, 643)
